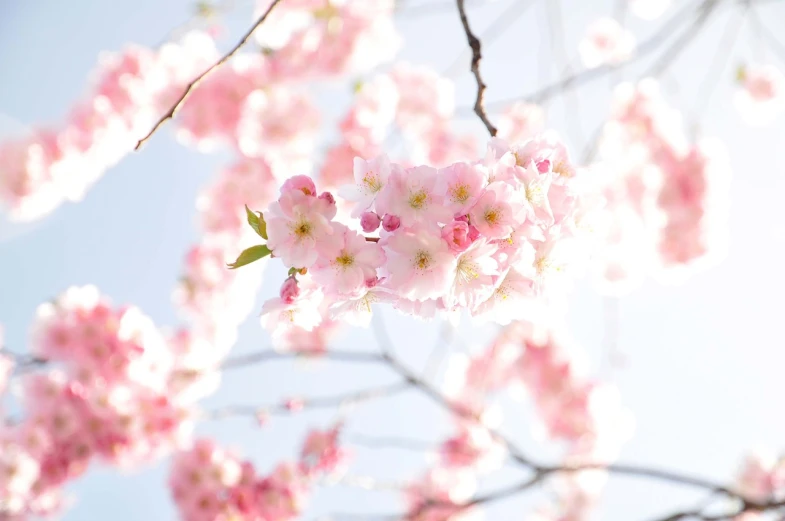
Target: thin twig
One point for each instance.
(476, 48)
(269, 354)
(683, 41)
(587, 75)
(191, 86)
(318, 402)
(383, 442)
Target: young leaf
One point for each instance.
(252, 254)
(262, 226)
(253, 220)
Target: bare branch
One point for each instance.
(270, 355)
(572, 81)
(195, 83)
(683, 41)
(476, 48)
(319, 402)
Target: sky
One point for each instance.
(703, 361)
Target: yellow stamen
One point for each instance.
(491, 216)
(460, 193)
(345, 260)
(422, 260)
(372, 182)
(301, 229)
(418, 199)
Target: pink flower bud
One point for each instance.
(390, 223)
(370, 221)
(289, 290)
(327, 196)
(371, 282)
(457, 236)
(299, 182)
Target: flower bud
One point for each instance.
(456, 234)
(390, 223)
(369, 221)
(290, 290)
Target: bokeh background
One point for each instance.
(701, 365)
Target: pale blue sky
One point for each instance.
(705, 360)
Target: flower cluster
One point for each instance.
(119, 393)
(208, 483)
(666, 198)
(326, 38)
(131, 90)
(573, 408)
(490, 237)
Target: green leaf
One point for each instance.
(294, 271)
(252, 254)
(262, 226)
(253, 219)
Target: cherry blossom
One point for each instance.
(761, 97)
(606, 42)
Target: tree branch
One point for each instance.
(195, 83)
(476, 47)
(270, 355)
(588, 75)
(319, 402)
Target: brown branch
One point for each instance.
(195, 83)
(476, 48)
(540, 472)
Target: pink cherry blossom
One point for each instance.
(370, 178)
(474, 277)
(464, 186)
(350, 261)
(762, 95)
(420, 263)
(415, 196)
(494, 214)
(606, 43)
(298, 226)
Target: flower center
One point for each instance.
(460, 193)
(533, 194)
(418, 199)
(345, 260)
(492, 216)
(302, 229)
(422, 260)
(562, 169)
(467, 270)
(372, 182)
